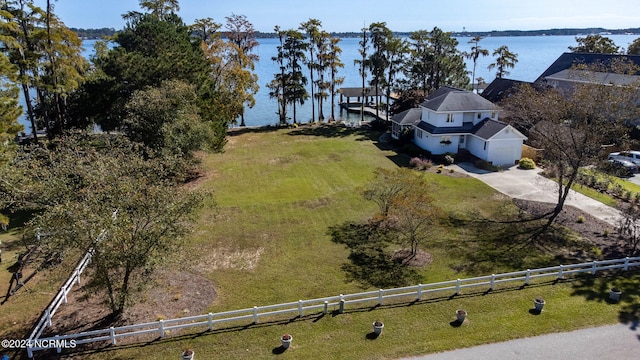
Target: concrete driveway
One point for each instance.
(529, 185)
(620, 342)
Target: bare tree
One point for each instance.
(629, 227)
(573, 123)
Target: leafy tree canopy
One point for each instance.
(101, 193)
(149, 51)
(595, 44)
(634, 48)
(10, 110)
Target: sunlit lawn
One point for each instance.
(266, 242)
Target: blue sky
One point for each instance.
(400, 15)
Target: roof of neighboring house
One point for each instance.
(569, 59)
(582, 76)
(408, 117)
(485, 129)
(501, 88)
(450, 99)
(357, 91)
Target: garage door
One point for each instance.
(504, 155)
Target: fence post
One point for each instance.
(326, 307)
(341, 304)
(255, 314)
(210, 321)
(112, 335)
(561, 272)
(626, 263)
(458, 287)
(594, 268)
(300, 307)
(64, 294)
(493, 281)
(77, 276)
(419, 292)
(58, 348)
(161, 328)
(380, 296)
(29, 352)
(48, 315)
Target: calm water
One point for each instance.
(535, 54)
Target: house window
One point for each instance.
(449, 118)
(419, 133)
(493, 115)
(461, 139)
(485, 145)
(445, 140)
(479, 115)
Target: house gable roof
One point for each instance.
(500, 88)
(441, 91)
(581, 76)
(452, 100)
(568, 60)
(464, 129)
(488, 128)
(408, 117)
(485, 129)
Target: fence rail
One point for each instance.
(339, 302)
(60, 298)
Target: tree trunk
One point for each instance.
(30, 113)
(563, 193)
(124, 290)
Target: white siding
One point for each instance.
(504, 152)
(432, 143)
(440, 119)
(475, 146)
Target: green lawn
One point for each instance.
(266, 242)
(623, 186)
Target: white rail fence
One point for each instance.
(339, 302)
(60, 298)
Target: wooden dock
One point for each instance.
(357, 108)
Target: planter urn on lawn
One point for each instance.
(461, 315)
(286, 340)
(188, 354)
(614, 294)
(538, 304)
(377, 327)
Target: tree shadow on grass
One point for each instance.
(364, 133)
(374, 267)
(370, 264)
(515, 241)
(237, 131)
(597, 287)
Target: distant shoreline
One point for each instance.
(93, 34)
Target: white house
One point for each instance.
(405, 122)
(454, 119)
